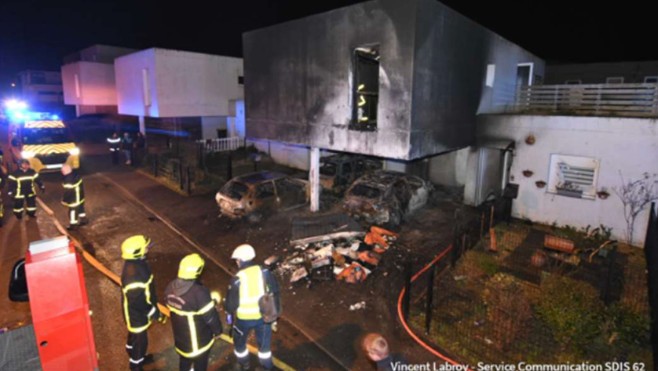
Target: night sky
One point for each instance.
(37, 34)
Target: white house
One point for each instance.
(194, 88)
(88, 79)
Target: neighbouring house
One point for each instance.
(181, 93)
(42, 90)
(88, 79)
(575, 147)
(404, 81)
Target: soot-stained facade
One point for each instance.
(396, 79)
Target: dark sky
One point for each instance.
(37, 34)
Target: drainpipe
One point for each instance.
(506, 157)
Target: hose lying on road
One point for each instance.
(115, 278)
(401, 315)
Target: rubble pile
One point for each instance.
(350, 259)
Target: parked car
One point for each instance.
(337, 172)
(386, 197)
(259, 193)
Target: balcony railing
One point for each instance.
(221, 144)
(625, 100)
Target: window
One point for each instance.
(146, 87)
(240, 80)
(573, 82)
(650, 79)
(573, 176)
(614, 80)
(491, 72)
(365, 88)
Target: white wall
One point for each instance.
(210, 124)
(129, 85)
(629, 146)
(183, 84)
(96, 84)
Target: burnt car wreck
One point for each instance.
(386, 197)
(258, 194)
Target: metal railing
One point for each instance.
(625, 100)
(221, 144)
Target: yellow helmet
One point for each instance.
(190, 267)
(244, 252)
(135, 247)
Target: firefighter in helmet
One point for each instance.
(73, 197)
(139, 300)
(194, 318)
(244, 292)
(22, 189)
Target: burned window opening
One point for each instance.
(365, 89)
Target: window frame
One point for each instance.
(360, 57)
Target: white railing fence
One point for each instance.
(221, 144)
(637, 100)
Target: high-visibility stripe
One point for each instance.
(241, 354)
(136, 361)
(252, 288)
(44, 124)
(126, 312)
(70, 186)
(113, 140)
(192, 325)
(44, 149)
(265, 355)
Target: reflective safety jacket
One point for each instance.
(193, 317)
(247, 287)
(139, 300)
(21, 183)
(114, 143)
(74, 192)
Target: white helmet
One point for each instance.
(244, 252)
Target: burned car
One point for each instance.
(261, 193)
(337, 172)
(386, 197)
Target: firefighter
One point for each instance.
(194, 319)
(114, 143)
(244, 292)
(139, 300)
(22, 189)
(74, 197)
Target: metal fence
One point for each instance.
(486, 300)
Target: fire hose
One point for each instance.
(117, 280)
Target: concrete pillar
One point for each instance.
(314, 178)
(142, 125)
(77, 110)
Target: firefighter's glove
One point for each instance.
(229, 319)
(216, 297)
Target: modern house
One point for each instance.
(404, 81)
(88, 79)
(42, 90)
(184, 94)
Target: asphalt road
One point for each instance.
(318, 331)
